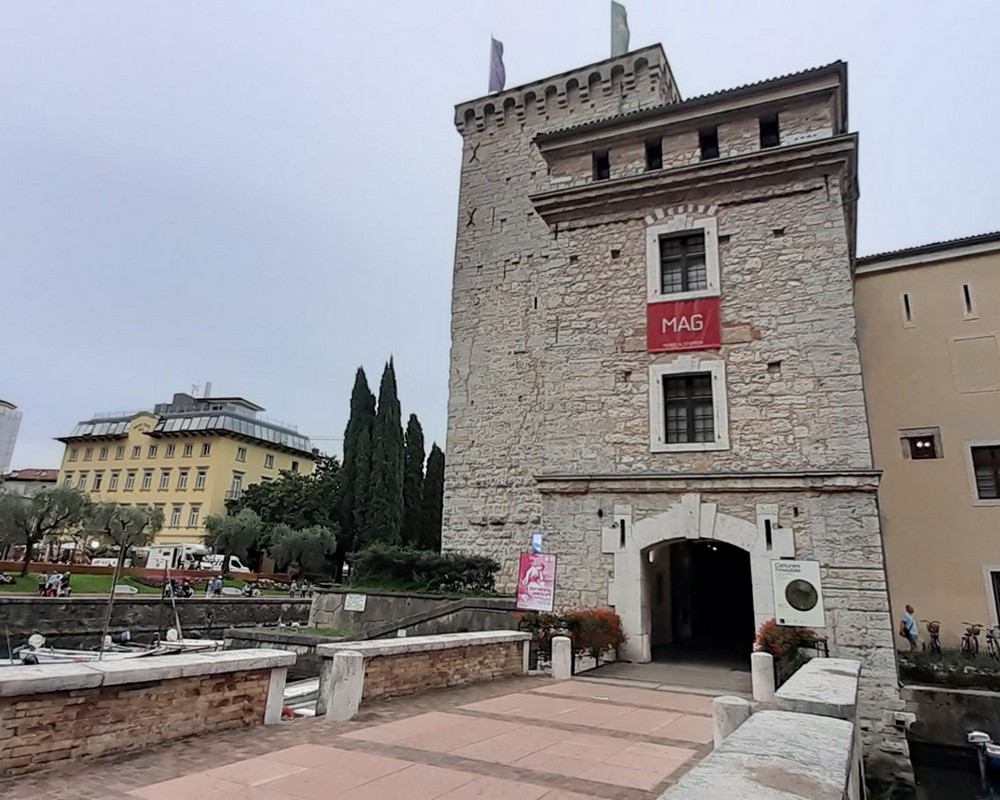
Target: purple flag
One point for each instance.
(498, 75)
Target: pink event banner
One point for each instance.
(536, 582)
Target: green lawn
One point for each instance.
(101, 584)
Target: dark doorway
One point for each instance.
(701, 608)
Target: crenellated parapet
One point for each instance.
(637, 80)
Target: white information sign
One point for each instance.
(798, 595)
(355, 602)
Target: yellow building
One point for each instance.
(186, 457)
(928, 322)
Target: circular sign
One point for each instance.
(801, 595)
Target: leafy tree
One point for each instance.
(233, 535)
(307, 551)
(296, 499)
(48, 512)
(385, 511)
(413, 480)
(125, 527)
(433, 501)
(359, 426)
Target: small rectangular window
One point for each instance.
(88, 454)
(269, 461)
(907, 312)
(922, 447)
(164, 479)
(175, 516)
(295, 466)
(98, 479)
(113, 481)
(241, 454)
(206, 448)
(199, 479)
(102, 454)
(193, 516)
(73, 454)
(130, 480)
(688, 408)
(152, 451)
(81, 481)
(769, 133)
(188, 450)
(68, 479)
(654, 154)
(708, 142)
(682, 263)
(968, 309)
(986, 463)
(137, 451)
(602, 165)
(147, 480)
(182, 480)
(119, 452)
(169, 452)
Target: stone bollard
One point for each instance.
(728, 713)
(762, 677)
(344, 685)
(562, 658)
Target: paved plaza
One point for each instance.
(526, 738)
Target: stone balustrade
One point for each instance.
(355, 672)
(808, 747)
(56, 713)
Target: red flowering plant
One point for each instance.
(784, 642)
(595, 631)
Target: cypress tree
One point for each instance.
(433, 501)
(385, 510)
(413, 480)
(360, 422)
(362, 491)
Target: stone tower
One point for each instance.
(653, 356)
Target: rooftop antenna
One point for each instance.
(195, 388)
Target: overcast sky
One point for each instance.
(263, 194)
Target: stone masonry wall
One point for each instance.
(392, 676)
(43, 730)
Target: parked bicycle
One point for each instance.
(993, 643)
(970, 641)
(934, 636)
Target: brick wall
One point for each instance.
(390, 676)
(41, 730)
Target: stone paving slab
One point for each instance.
(474, 742)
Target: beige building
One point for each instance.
(186, 457)
(654, 362)
(928, 327)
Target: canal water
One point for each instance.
(944, 773)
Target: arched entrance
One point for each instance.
(701, 605)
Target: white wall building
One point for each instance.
(10, 423)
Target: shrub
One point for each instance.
(423, 570)
(951, 668)
(594, 631)
(784, 643)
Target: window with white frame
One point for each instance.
(193, 516)
(269, 461)
(182, 480)
(130, 480)
(81, 480)
(152, 451)
(147, 480)
(188, 450)
(200, 478)
(68, 479)
(98, 480)
(164, 479)
(169, 452)
(113, 480)
(206, 448)
(682, 258)
(136, 451)
(102, 454)
(73, 454)
(986, 469)
(119, 452)
(241, 454)
(175, 516)
(687, 406)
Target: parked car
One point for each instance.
(214, 562)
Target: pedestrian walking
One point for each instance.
(908, 627)
(64, 587)
(293, 588)
(43, 582)
(306, 588)
(209, 586)
(218, 584)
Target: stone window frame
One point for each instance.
(905, 434)
(970, 469)
(679, 224)
(684, 364)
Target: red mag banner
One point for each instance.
(683, 325)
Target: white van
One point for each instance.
(214, 562)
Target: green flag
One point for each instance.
(619, 29)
